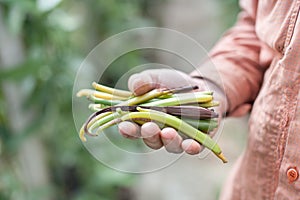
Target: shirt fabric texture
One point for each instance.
(257, 62)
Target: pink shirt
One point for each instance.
(259, 64)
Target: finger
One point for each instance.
(129, 130)
(191, 147)
(202, 84)
(141, 83)
(151, 135)
(171, 140)
(172, 78)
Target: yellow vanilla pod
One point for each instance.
(145, 97)
(97, 94)
(85, 92)
(196, 97)
(209, 104)
(103, 95)
(113, 91)
(82, 132)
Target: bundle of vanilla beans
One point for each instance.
(185, 109)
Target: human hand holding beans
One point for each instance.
(152, 135)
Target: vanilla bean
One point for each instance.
(180, 111)
(183, 89)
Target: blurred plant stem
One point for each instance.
(32, 172)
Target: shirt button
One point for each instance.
(292, 174)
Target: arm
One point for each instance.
(239, 60)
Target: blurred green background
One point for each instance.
(42, 43)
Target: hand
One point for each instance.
(153, 136)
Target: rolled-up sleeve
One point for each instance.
(240, 59)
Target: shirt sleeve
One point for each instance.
(238, 61)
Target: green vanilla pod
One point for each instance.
(178, 124)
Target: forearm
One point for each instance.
(236, 63)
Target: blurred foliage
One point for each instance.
(230, 9)
(56, 35)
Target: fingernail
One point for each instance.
(127, 128)
(190, 147)
(150, 129)
(168, 134)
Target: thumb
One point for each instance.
(141, 83)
